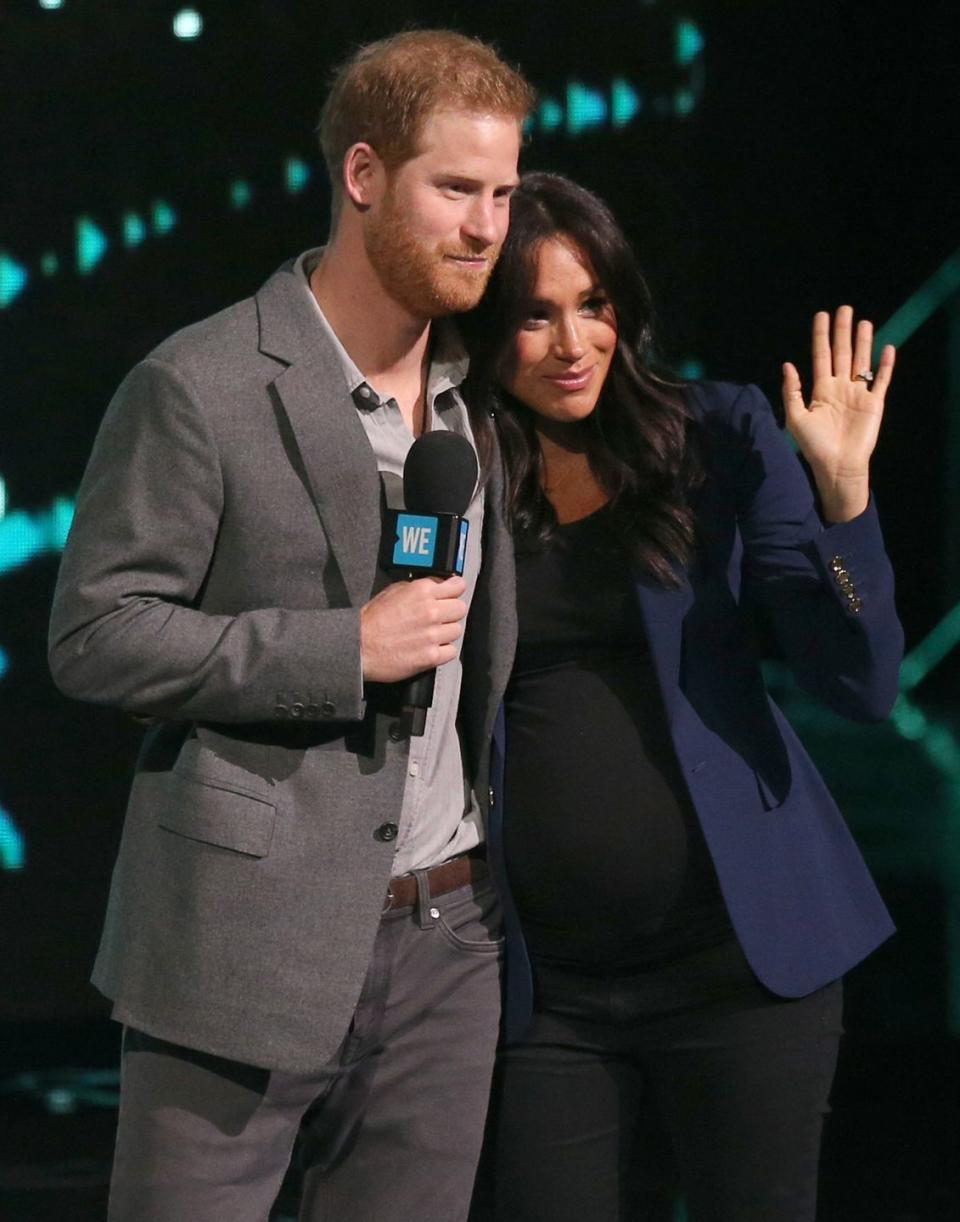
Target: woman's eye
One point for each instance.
(535, 319)
(594, 305)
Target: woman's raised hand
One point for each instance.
(837, 430)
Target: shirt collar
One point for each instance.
(448, 357)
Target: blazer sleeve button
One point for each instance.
(328, 708)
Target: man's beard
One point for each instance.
(418, 276)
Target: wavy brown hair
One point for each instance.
(642, 440)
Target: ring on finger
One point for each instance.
(866, 376)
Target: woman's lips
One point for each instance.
(571, 381)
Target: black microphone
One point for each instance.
(428, 538)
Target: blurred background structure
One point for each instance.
(768, 157)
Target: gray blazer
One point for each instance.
(225, 538)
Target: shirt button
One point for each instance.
(414, 769)
(386, 832)
(395, 733)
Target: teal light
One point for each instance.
(240, 194)
(932, 650)
(13, 849)
(59, 521)
(910, 721)
(134, 230)
(51, 4)
(162, 217)
(586, 108)
(91, 245)
(188, 24)
(4, 661)
(24, 536)
(551, 115)
(915, 311)
(688, 42)
(684, 102)
(691, 369)
(50, 263)
(296, 175)
(624, 102)
(13, 279)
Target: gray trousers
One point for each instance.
(392, 1125)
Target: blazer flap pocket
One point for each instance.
(205, 810)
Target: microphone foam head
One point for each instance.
(439, 474)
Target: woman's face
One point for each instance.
(562, 352)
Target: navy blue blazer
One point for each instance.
(802, 903)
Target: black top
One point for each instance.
(606, 858)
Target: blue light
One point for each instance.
(134, 230)
(188, 24)
(296, 174)
(624, 102)
(51, 4)
(13, 848)
(23, 536)
(91, 245)
(4, 661)
(163, 217)
(50, 263)
(240, 194)
(689, 42)
(691, 369)
(13, 278)
(585, 108)
(684, 102)
(551, 115)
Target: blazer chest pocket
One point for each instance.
(216, 813)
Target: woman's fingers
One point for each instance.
(792, 391)
(884, 371)
(863, 348)
(822, 359)
(842, 348)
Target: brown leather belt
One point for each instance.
(448, 876)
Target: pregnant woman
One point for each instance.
(682, 894)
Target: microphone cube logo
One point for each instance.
(416, 543)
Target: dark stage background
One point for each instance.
(769, 159)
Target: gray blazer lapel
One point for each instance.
(338, 463)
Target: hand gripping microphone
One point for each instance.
(428, 538)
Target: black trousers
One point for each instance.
(689, 1078)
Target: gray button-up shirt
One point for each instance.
(440, 815)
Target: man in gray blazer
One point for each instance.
(300, 918)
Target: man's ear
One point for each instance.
(363, 175)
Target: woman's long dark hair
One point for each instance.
(642, 441)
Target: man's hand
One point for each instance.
(411, 626)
